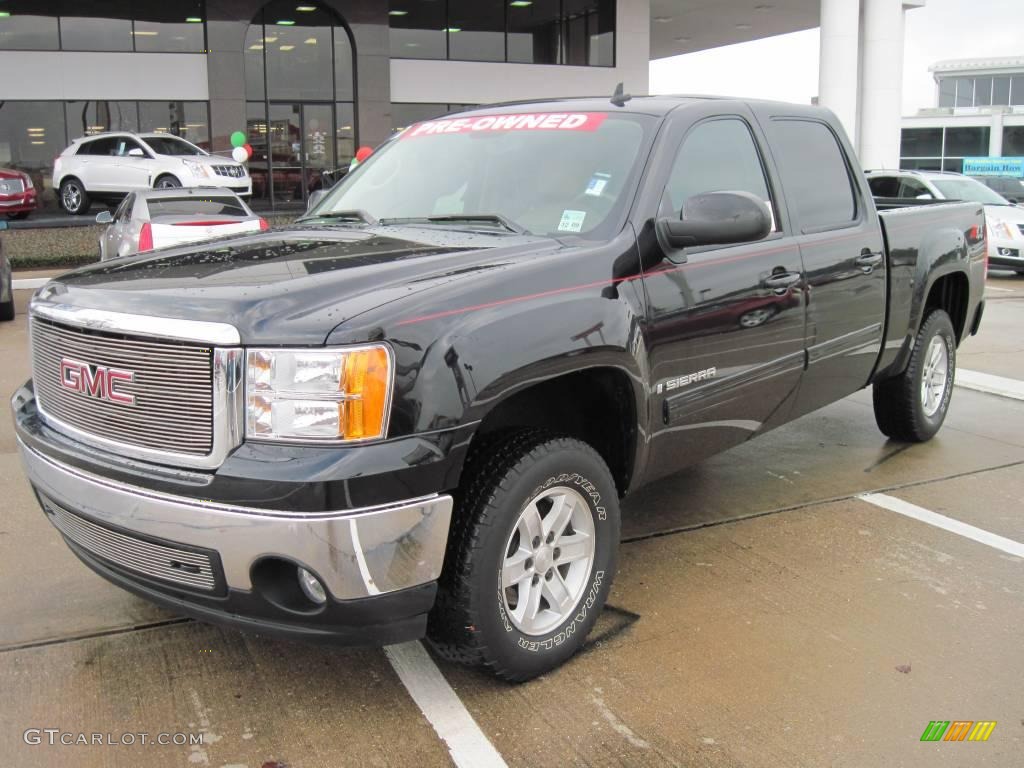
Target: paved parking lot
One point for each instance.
(764, 615)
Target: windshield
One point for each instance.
(970, 190)
(550, 174)
(169, 145)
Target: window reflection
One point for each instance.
(25, 28)
(86, 118)
(476, 30)
(170, 26)
(534, 32)
(33, 134)
(100, 25)
(188, 119)
(417, 29)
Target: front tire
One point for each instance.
(73, 197)
(167, 182)
(531, 556)
(912, 406)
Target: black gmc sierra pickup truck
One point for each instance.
(414, 412)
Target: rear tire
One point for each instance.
(912, 406)
(540, 514)
(73, 197)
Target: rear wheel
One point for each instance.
(531, 556)
(73, 197)
(912, 406)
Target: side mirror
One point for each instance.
(104, 217)
(925, 196)
(315, 198)
(136, 152)
(717, 218)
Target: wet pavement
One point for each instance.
(763, 616)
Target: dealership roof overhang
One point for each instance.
(685, 26)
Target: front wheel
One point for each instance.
(73, 197)
(167, 182)
(912, 406)
(531, 556)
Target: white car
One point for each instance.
(161, 218)
(1004, 221)
(110, 165)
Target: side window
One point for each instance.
(124, 210)
(912, 189)
(123, 145)
(98, 147)
(884, 186)
(716, 156)
(815, 177)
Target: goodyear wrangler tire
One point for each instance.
(531, 556)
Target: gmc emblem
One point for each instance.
(96, 381)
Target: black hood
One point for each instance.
(294, 285)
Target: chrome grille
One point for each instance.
(172, 389)
(232, 171)
(11, 186)
(167, 563)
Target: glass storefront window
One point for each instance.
(947, 92)
(921, 164)
(344, 134)
(982, 91)
(187, 119)
(1017, 90)
(1013, 141)
(343, 66)
(100, 25)
(954, 164)
(417, 29)
(534, 32)
(404, 115)
(589, 32)
(24, 28)
(256, 130)
(298, 51)
(31, 135)
(476, 30)
(86, 118)
(921, 142)
(1001, 91)
(965, 91)
(967, 142)
(171, 26)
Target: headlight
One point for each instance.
(197, 169)
(999, 228)
(317, 394)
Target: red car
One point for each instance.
(17, 194)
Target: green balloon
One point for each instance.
(238, 139)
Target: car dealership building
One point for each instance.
(309, 81)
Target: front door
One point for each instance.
(725, 324)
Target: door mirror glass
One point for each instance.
(925, 196)
(315, 198)
(136, 152)
(717, 218)
(104, 217)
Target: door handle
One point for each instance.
(780, 282)
(868, 260)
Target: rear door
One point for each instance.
(843, 255)
(725, 324)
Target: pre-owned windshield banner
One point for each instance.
(545, 121)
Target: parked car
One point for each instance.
(17, 194)
(414, 411)
(6, 282)
(1004, 221)
(161, 218)
(1010, 187)
(108, 166)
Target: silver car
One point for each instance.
(161, 218)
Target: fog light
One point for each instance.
(312, 587)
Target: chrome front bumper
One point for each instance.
(357, 553)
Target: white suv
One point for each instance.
(110, 165)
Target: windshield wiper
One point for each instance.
(353, 214)
(462, 218)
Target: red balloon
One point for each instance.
(248, 149)
(363, 152)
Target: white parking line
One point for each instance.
(979, 535)
(467, 744)
(993, 385)
(27, 283)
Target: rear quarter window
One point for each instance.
(815, 177)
